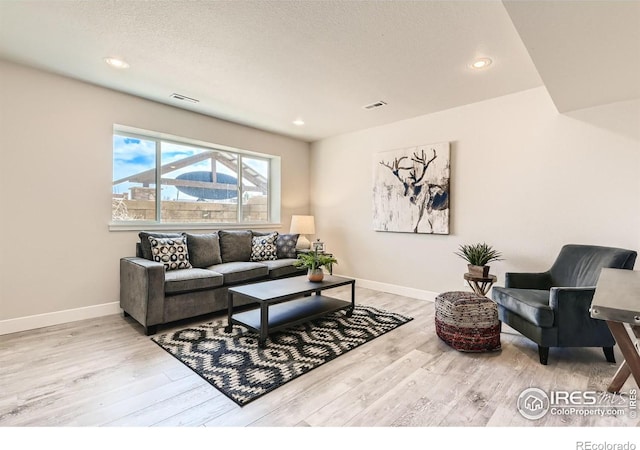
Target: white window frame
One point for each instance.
(273, 185)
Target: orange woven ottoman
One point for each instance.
(467, 321)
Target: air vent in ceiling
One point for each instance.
(184, 98)
(377, 104)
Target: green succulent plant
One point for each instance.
(314, 260)
(478, 254)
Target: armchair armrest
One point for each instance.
(525, 280)
(571, 315)
(142, 290)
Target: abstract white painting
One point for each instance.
(411, 189)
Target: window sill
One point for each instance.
(153, 226)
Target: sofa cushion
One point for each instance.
(286, 245)
(235, 245)
(283, 267)
(239, 272)
(172, 252)
(530, 304)
(263, 248)
(177, 281)
(146, 246)
(204, 249)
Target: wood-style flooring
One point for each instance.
(106, 372)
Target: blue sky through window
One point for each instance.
(132, 156)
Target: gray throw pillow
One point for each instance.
(204, 249)
(235, 245)
(146, 246)
(286, 246)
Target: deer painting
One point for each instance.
(426, 191)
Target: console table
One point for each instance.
(617, 300)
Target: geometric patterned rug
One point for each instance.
(234, 364)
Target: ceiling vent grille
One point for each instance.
(184, 98)
(375, 105)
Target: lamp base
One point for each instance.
(303, 243)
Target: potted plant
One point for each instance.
(478, 256)
(314, 261)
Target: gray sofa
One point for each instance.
(176, 276)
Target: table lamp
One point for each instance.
(302, 225)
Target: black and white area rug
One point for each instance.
(235, 365)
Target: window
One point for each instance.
(160, 180)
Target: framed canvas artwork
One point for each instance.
(411, 189)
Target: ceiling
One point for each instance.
(266, 63)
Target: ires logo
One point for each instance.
(565, 398)
(534, 403)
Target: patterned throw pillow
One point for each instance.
(172, 252)
(263, 248)
(286, 246)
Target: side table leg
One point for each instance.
(631, 356)
(619, 378)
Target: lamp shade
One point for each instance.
(302, 225)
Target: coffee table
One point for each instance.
(287, 302)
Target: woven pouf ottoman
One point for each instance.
(467, 321)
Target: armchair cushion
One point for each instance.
(530, 304)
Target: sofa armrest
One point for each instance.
(525, 280)
(142, 290)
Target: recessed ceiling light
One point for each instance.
(481, 63)
(116, 62)
(298, 122)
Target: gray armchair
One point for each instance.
(552, 308)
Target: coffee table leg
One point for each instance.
(229, 327)
(264, 325)
(349, 312)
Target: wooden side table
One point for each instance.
(480, 285)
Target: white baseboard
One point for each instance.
(57, 317)
(89, 312)
(396, 289)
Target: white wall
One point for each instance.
(55, 189)
(523, 178)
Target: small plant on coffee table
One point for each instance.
(314, 261)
